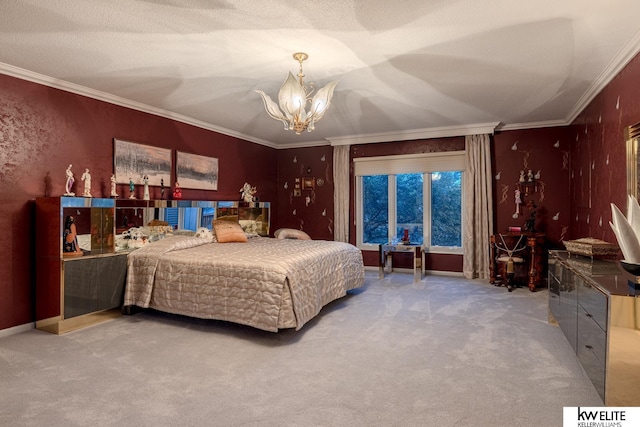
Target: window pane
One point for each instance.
(375, 209)
(446, 209)
(409, 209)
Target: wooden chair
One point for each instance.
(511, 255)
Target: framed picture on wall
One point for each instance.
(308, 183)
(195, 171)
(132, 161)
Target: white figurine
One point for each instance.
(69, 183)
(247, 192)
(86, 177)
(114, 193)
(145, 181)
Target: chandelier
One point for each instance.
(293, 98)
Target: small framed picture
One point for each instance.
(308, 183)
(195, 171)
(133, 161)
(297, 192)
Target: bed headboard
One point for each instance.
(192, 214)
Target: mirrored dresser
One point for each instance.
(597, 306)
(82, 282)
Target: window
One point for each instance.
(422, 194)
(376, 210)
(446, 209)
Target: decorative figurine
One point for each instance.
(521, 176)
(162, 188)
(518, 202)
(86, 177)
(405, 237)
(145, 181)
(132, 187)
(247, 192)
(530, 175)
(69, 184)
(70, 238)
(177, 191)
(530, 223)
(114, 193)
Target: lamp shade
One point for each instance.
(292, 102)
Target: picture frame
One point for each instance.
(308, 183)
(196, 171)
(132, 161)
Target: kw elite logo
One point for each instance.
(591, 415)
(599, 417)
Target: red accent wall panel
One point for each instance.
(305, 191)
(546, 152)
(598, 168)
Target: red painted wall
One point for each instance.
(546, 153)
(42, 130)
(598, 158)
(311, 210)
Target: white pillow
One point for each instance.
(291, 233)
(205, 233)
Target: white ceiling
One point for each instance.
(406, 69)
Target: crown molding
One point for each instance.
(614, 67)
(34, 77)
(286, 145)
(534, 125)
(427, 133)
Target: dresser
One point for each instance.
(596, 304)
(77, 288)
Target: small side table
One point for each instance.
(387, 250)
(535, 258)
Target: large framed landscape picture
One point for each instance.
(133, 161)
(194, 171)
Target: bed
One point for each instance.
(266, 283)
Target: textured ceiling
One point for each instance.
(405, 69)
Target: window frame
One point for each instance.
(395, 165)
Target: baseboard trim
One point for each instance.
(17, 329)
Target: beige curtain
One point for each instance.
(478, 207)
(341, 193)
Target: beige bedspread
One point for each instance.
(265, 283)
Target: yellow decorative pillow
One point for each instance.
(228, 231)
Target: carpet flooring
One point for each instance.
(444, 351)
